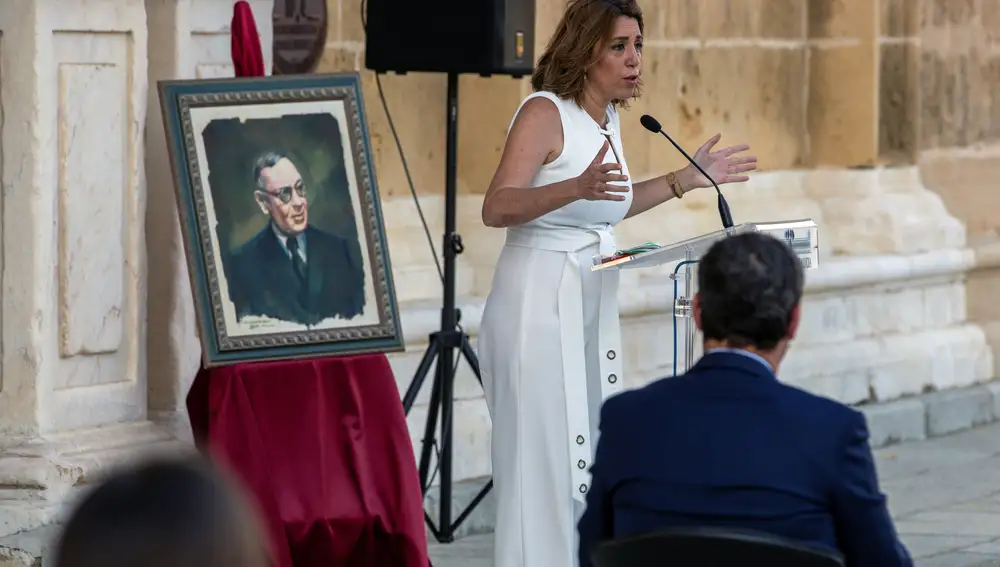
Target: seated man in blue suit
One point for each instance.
(727, 444)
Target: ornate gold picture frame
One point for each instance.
(280, 212)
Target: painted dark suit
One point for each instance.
(264, 281)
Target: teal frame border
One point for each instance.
(176, 97)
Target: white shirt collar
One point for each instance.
(283, 240)
(745, 353)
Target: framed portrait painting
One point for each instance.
(279, 209)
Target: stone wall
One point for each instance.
(834, 82)
(955, 53)
(709, 66)
(837, 98)
(92, 265)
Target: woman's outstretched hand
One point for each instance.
(725, 166)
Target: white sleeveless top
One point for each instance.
(581, 230)
(582, 139)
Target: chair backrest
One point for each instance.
(711, 547)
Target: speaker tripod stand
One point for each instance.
(442, 346)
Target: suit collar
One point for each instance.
(283, 241)
(733, 361)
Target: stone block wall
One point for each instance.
(820, 83)
(958, 113)
(960, 71)
(709, 66)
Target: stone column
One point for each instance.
(188, 39)
(843, 82)
(899, 81)
(73, 383)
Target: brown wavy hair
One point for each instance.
(585, 27)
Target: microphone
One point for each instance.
(653, 125)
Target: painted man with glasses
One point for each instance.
(291, 271)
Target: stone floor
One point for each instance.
(944, 494)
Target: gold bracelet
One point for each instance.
(674, 185)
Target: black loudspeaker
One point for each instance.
(485, 37)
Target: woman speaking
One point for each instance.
(550, 344)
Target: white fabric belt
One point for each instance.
(571, 324)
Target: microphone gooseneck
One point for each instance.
(653, 125)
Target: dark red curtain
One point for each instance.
(324, 448)
(248, 59)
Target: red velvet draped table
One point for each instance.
(324, 447)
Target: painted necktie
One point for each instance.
(298, 264)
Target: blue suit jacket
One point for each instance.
(728, 445)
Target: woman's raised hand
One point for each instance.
(727, 165)
(594, 183)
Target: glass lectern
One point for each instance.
(801, 235)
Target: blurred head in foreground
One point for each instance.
(749, 290)
(165, 513)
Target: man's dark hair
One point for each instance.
(748, 286)
(264, 161)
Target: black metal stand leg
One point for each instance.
(421, 373)
(470, 357)
(442, 349)
(430, 428)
